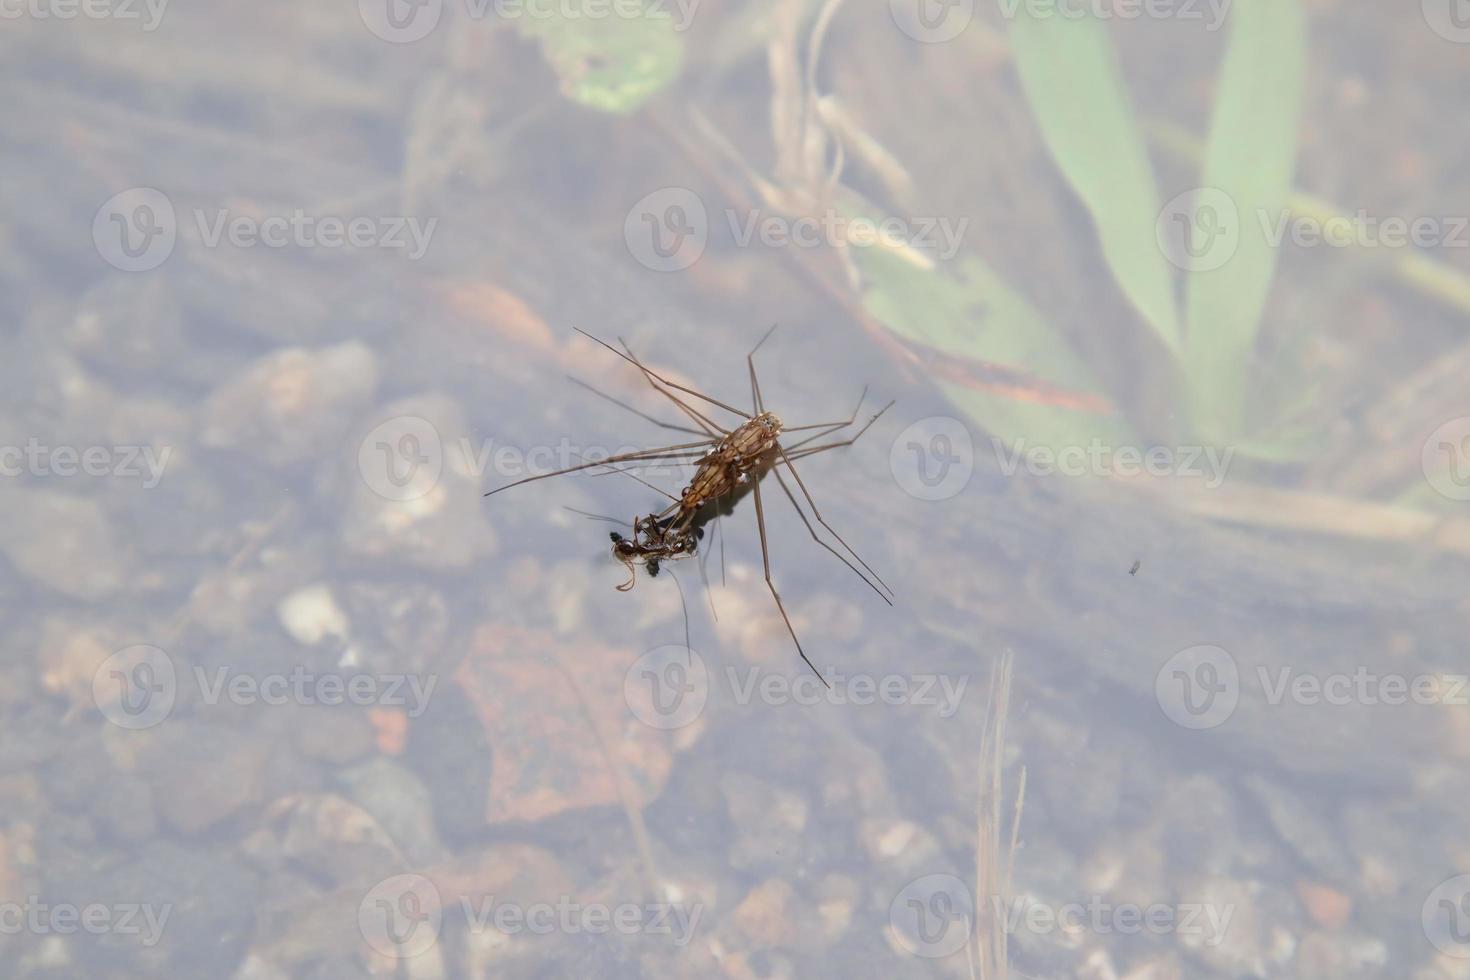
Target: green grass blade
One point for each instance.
(966, 309)
(1069, 71)
(1249, 160)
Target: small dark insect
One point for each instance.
(652, 543)
(1134, 569)
(729, 462)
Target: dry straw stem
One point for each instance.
(811, 135)
(1318, 513)
(994, 868)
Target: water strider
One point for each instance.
(729, 462)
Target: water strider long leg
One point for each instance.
(704, 558)
(673, 510)
(815, 537)
(708, 592)
(688, 649)
(642, 455)
(755, 385)
(862, 396)
(642, 415)
(631, 475)
(709, 425)
(828, 428)
(760, 522)
(662, 380)
(656, 465)
(595, 517)
(720, 530)
(822, 521)
(845, 442)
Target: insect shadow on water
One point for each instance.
(729, 462)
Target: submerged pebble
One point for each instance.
(131, 326)
(292, 405)
(65, 543)
(311, 615)
(769, 822)
(203, 773)
(400, 803)
(407, 492)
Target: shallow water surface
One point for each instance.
(288, 287)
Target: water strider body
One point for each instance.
(732, 459)
(729, 463)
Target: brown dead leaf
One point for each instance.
(549, 757)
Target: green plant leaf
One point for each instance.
(610, 63)
(1250, 160)
(964, 309)
(1070, 75)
